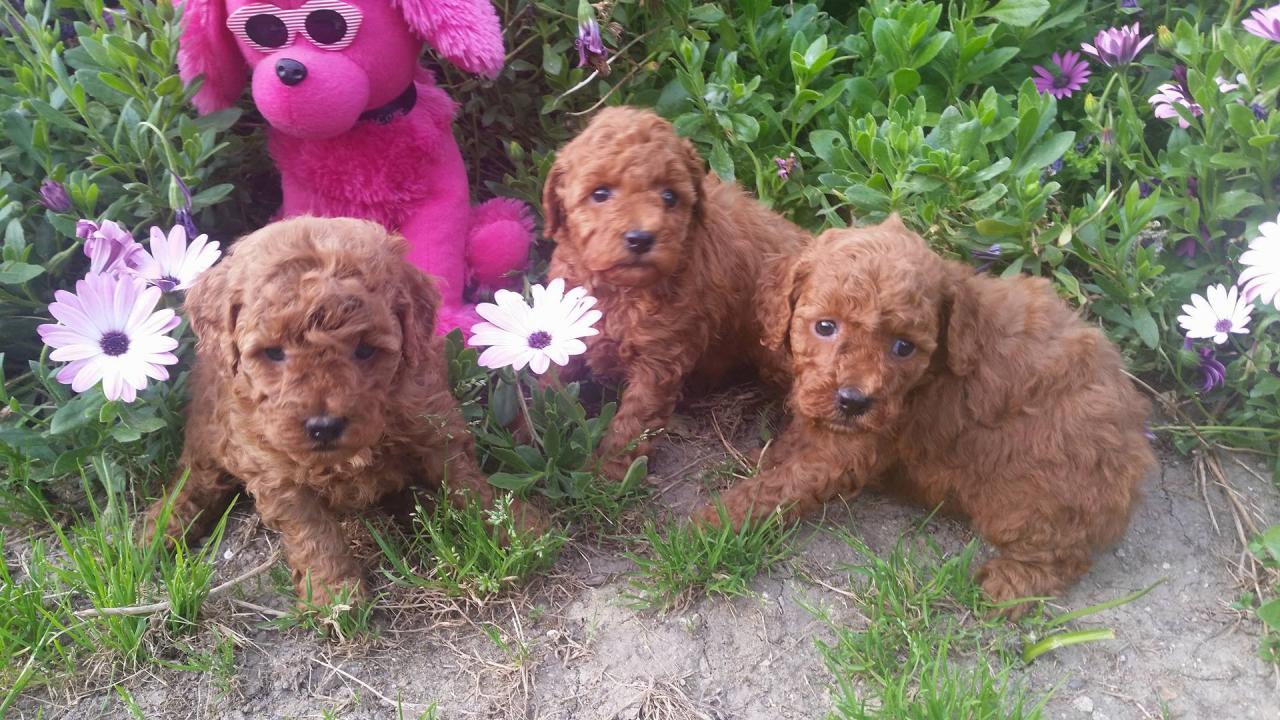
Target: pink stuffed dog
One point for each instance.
(358, 128)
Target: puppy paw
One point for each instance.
(529, 519)
(322, 593)
(1005, 580)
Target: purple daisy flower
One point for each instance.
(1116, 47)
(110, 331)
(1069, 74)
(1265, 23)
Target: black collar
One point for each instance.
(401, 105)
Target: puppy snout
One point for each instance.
(852, 401)
(291, 72)
(325, 428)
(638, 241)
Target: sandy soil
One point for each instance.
(1181, 650)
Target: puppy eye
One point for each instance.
(601, 194)
(903, 348)
(825, 328)
(364, 352)
(669, 197)
(274, 354)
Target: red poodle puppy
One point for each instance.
(321, 389)
(672, 253)
(987, 396)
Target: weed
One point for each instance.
(930, 648)
(345, 616)
(688, 558)
(465, 552)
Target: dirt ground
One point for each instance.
(570, 647)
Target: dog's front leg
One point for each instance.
(198, 504)
(314, 543)
(648, 400)
(812, 468)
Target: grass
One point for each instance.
(470, 552)
(345, 616)
(688, 559)
(930, 648)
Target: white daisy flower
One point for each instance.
(1224, 312)
(1261, 277)
(550, 331)
(172, 264)
(110, 331)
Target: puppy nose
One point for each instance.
(325, 428)
(852, 402)
(290, 72)
(638, 241)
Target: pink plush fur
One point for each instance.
(406, 173)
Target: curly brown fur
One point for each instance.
(310, 318)
(1008, 408)
(683, 308)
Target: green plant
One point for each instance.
(685, 559)
(553, 453)
(1266, 548)
(470, 552)
(926, 652)
(345, 616)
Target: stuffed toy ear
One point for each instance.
(465, 32)
(207, 48)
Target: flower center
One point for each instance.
(167, 283)
(1061, 81)
(539, 340)
(1223, 325)
(114, 343)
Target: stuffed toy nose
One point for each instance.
(290, 72)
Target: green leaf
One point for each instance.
(1232, 202)
(1018, 13)
(720, 162)
(515, 483)
(75, 413)
(1045, 152)
(17, 273)
(1270, 614)
(905, 80)
(1146, 326)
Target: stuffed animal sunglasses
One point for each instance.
(328, 24)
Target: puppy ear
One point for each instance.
(552, 205)
(415, 307)
(213, 304)
(963, 322)
(777, 292)
(466, 32)
(208, 49)
(697, 168)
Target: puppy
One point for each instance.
(987, 396)
(672, 253)
(320, 388)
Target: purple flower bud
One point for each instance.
(188, 223)
(1108, 137)
(986, 256)
(1193, 187)
(53, 195)
(786, 165)
(1212, 372)
(1259, 112)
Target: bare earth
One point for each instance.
(588, 655)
